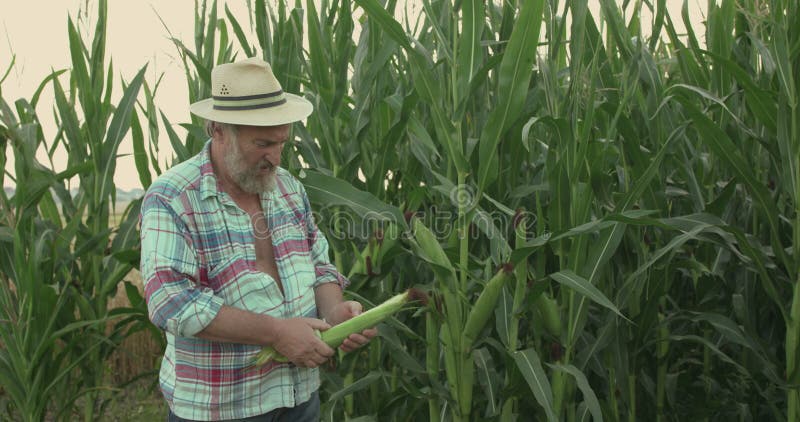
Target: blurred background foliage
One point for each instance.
(604, 210)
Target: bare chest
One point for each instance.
(265, 257)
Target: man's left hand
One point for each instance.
(344, 311)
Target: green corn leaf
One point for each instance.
(140, 157)
(514, 77)
(430, 91)
(73, 170)
(50, 78)
(8, 70)
(712, 347)
(734, 334)
(261, 17)
(69, 121)
(469, 49)
(208, 40)
(398, 350)
(731, 155)
(675, 243)
(488, 379)
(387, 23)
(112, 276)
(99, 49)
(710, 96)
(127, 234)
(92, 244)
(583, 384)
(687, 62)
(789, 159)
(617, 28)
(77, 49)
(503, 314)
(237, 30)
(603, 251)
(784, 53)
(759, 101)
(49, 210)
(582, 286)
(726, 327)
(521, 254)
(319, 54)
(530, 366)
(428, 88)
(583, 414)
(331, 191)
(6, 234)
(117, 129)
(358, 385)
(180, 150)
(439, 28)
(661, 11)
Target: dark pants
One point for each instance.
(303, 412)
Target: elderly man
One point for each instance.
(232, 261)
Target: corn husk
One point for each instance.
(336, 335)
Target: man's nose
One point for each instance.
(273, 155)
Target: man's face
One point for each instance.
(253, 155)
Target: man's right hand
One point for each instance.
(295, 338)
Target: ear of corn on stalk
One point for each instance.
(335, 335)
(378, 246)
(551, 315)
(484, 306)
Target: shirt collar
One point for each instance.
(208, 180)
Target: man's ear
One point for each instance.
(217, 133)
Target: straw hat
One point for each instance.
(247, 93)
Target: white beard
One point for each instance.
(249, 179)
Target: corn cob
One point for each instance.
(484, 306)
(335, 335)
(551, 315)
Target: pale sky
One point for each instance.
(36, 32)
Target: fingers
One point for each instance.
(314, 361)
(315, 357)
(320, 346)
(354, 341)
(299, 341)
(318, 324)
(324, 350)
(354, 307)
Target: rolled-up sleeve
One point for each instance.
(324, 270)
(176, 301)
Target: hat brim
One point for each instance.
(295, 108)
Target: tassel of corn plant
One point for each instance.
(335, 335)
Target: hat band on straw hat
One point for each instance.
(250, 102)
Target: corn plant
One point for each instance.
(62, 257)
(647, 185)
(37, 315)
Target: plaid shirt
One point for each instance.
(198, 253)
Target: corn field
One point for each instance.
(603, 208)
